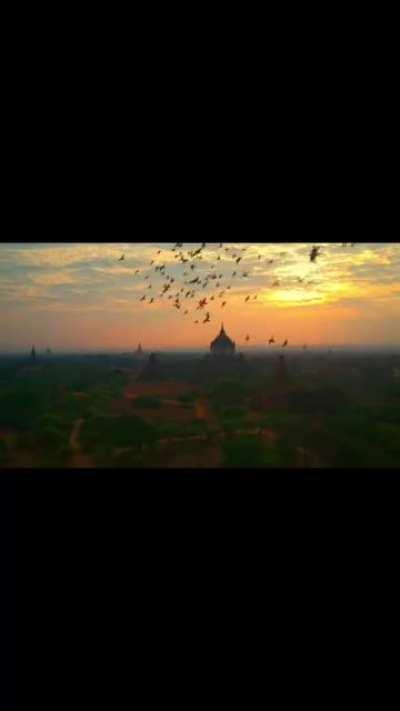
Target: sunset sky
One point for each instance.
(80, 297)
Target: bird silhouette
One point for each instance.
(121, 259)
(271, 341)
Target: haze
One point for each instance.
(80, 297)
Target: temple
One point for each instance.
(222, 361)
(222, 345)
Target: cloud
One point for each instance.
(88, 282)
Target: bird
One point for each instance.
(271, 341)
(247, 337)
(223, 304)
(247, 298)
(285, 343)
(314, 253)
(121, 259)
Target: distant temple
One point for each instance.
(222, 345)
(139, 351)
(222, 362)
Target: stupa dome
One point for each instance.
(222, 345)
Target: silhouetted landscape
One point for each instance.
(235, 355)
(304, 409)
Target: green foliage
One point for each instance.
(249, 452)
(169, 429)
(103, 454)
(19, 406)
(48, 420)
(123, 431)
(193, 428)
(388, 438)
(231, 425)
(228, 392)
(147, 402)
(233, 413)
(51, 437)
(128, 460)
(187, 398)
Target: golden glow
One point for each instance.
(75, 295)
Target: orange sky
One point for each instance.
(79, 296)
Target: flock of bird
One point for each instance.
(193, 279)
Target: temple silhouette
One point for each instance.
(222, 361)
(222, 345)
